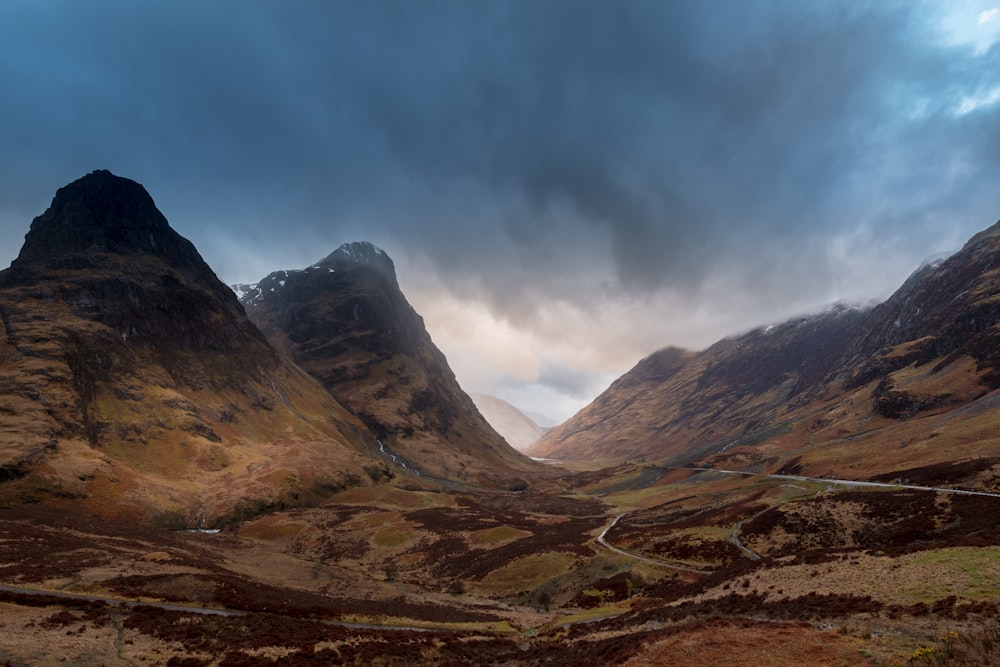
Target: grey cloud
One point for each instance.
(572, 151)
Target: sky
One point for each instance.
(565, 186)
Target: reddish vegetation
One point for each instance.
(291, 626)
(569, 535)
(610, 589)
(940, 474)
(653, 530)
(890, 521)
(233, 592)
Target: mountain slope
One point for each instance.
(131, 381)
(908, 386)
(346, 322)
(674, 403)
(516, 427)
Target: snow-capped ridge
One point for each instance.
(361, 252)
(271, 284)
(348, 254)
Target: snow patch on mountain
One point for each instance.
(357, 252)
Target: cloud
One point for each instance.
(987, 16)
(970, 103)
(564, 186)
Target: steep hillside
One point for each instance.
(131, 381)
(517, 428)
(346, 322)
(680, 404)
(902, 389)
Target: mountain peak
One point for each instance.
(359, 253)
(345, 321)
(103, 213)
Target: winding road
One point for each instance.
(735, 535)
(653, 561)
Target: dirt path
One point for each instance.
(653, 561)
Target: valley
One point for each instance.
(294, 476)
(612, 566)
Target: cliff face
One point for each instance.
(346, 322)
(908, 385)
(132, 382)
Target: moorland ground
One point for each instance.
(707, 567)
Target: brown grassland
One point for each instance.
(801, 572)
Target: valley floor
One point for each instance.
(629, 565)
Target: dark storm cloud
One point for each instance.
(526, 153)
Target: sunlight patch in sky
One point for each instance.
(986, 98)
(969, 22)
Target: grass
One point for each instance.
(585, 616)
(527, 573)
(274, 529)
(496, 536)
(390, 537)
(969, 572)
(390, 496)
(491, 627)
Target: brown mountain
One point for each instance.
(346, 322)
(517, 428)
(131, 381)
(907, 388)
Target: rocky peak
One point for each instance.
(358, 253)
(346, 322)
(350, 256)
(105, 250)
(104, 213)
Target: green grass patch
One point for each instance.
(968, 572)
(496, 536)
(492, 627)
(388, 496)
(587, 615)
(391, 537)
(527, 573)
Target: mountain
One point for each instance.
(677, 404)
(516, 427)
(132, 382)
(346, 322)
(907, 388)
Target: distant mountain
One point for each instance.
(908, 387)
(132, 383)
(516, 427)
(346, 322)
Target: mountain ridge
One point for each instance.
(829, 394)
